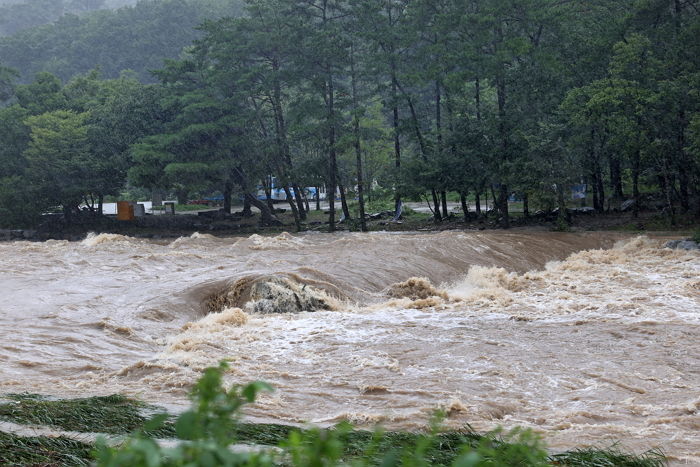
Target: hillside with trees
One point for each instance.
(134, 38)
(423, 99)
(18, 15)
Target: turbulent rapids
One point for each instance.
(587, 338)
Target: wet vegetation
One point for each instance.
(609, 457)
(113, 414)
(42, 451)
(213, 424)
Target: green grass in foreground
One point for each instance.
(609, 457)
(41, 451)
(114, 414)
(214, 423)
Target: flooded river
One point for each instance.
(586, 338)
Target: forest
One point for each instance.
(402, 99)
(17, 15)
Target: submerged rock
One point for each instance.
(270, 294)
(278, 295)
(416, 288)
(683, 245)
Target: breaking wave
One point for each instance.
(93, 239)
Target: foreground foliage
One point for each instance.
(17, 450)
(208, 432)
(210, 428)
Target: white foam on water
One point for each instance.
(506, 329)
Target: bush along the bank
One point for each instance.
(209, 431)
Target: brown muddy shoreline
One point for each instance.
(172, 227)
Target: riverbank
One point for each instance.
(220, 224)
(38, 431)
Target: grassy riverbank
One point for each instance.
(119, 416)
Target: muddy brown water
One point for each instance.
(586, 338)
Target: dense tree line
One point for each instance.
(483, 98)
(69, 145)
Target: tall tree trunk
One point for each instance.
(101, 204)
(594, 190)
(267, 181)
(684, 189)
(503, 201)
(616, 180)
(332, 169)
(436, 206)
(306, 201)
(593, 158)
(684, 164)
(268, 194)
(228, 188)
(503, 131)
(293, 206)
(561, 204)
(477, 98)
(526, 205)
(247, 210)
(465, 206)
(397, 135)
(357, 143)
(267, 217)
(344, 203)
(600, 187)
(477, 201)
(438, 129)
(438, 116)
(283, 143)
(300, 202)
(421, 144)
(671, 211)
(318, 198)
(445, 212)
(635, 183)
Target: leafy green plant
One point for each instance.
(207, 430)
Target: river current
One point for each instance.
(586, 338)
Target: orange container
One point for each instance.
(125, 211)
